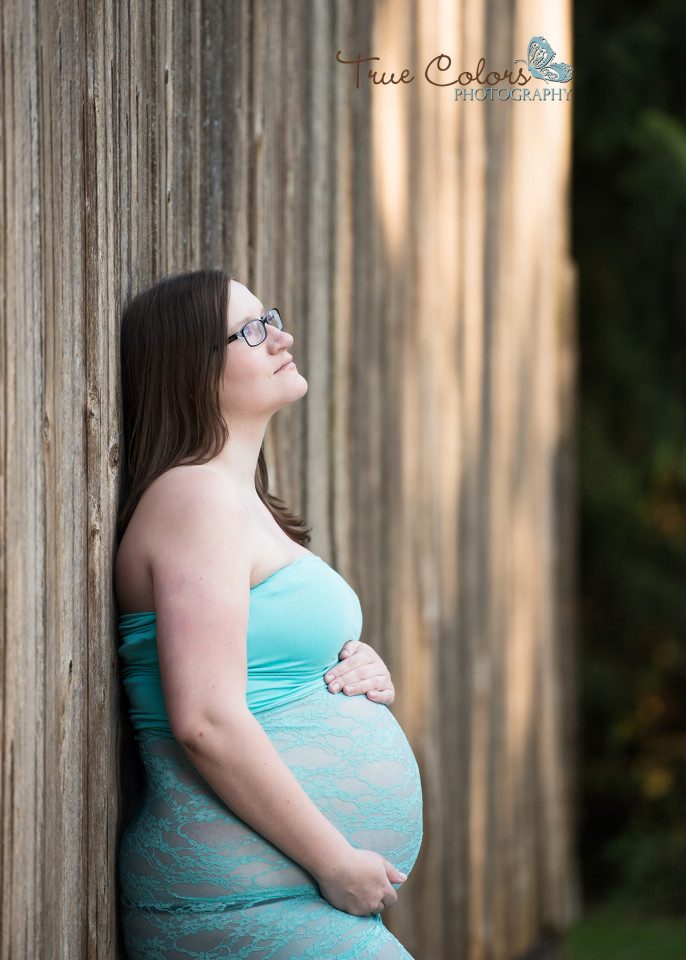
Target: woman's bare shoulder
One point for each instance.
(190, 491)
(180, 504)
(189, 477)
(185, 515)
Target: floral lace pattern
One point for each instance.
(197, 882)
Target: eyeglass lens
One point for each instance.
(255, 331)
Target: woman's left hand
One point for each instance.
(361, 670)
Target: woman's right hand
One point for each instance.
(360, 884)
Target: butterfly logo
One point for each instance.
(539, 54)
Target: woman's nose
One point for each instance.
(278, 339)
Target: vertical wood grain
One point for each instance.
(419, 250)
(25, 436)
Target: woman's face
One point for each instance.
(259, 380)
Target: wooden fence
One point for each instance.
(418, 247)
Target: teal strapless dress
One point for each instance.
(198, 882)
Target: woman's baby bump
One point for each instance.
(353, 759)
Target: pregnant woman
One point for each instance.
(280, 814)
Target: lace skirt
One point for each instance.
(198, 882)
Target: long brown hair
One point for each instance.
(172, 357)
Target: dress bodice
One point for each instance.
(300, 617)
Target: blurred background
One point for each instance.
(489, 303)
(629, 243)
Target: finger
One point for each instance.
(364, 656)
(382, 696)
(364, 686)
(353, 661)
(360, 686)
(365, 679)
(349, 648)
(394, 875)
(370, 676)
(389, 898)
(354, 673)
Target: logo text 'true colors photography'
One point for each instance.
(513, 83)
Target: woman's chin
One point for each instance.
(302, 385)
(297, 391)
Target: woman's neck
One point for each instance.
(239, 455)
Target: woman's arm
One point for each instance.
(201, 575)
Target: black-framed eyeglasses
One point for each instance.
(255, 331)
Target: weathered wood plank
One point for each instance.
(103, 297)
(61, 82)
(400, 234)
(23, 508)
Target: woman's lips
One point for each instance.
(286, 364)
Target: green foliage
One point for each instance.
(651, 866)
(617, 933)
(630, 244)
